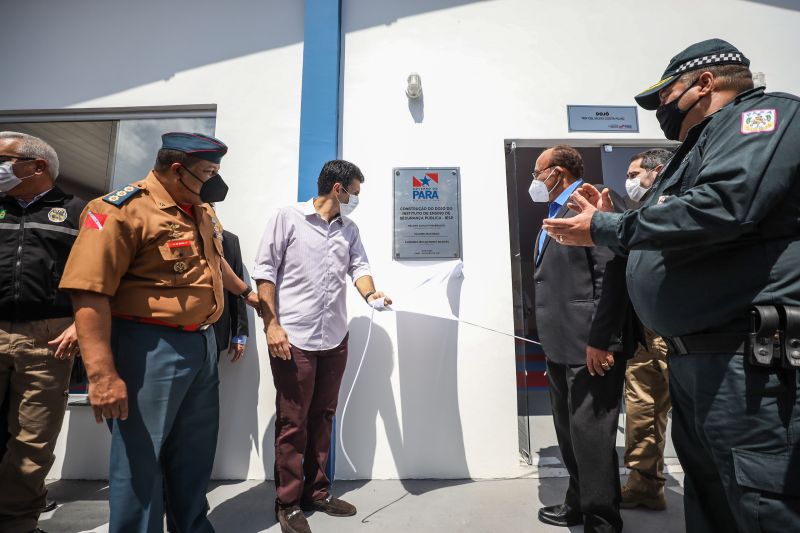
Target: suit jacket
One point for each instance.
(233, 320)
(581, 298)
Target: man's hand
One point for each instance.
(108, 396)
(278, 342)
(598, 361)
(379, 294)
(573, 231)
(236, 351)
(601, 201)
(66, 344)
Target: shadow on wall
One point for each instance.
(416, 106)
(785, 4)
(238, 406)
(122, 39)
(426, 439)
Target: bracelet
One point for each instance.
(246, 293)
(366, 296)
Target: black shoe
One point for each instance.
(292, 520)
(560, 515)
(37, 530)
(49, 505)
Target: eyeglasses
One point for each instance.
(5, 158)
(537, 173)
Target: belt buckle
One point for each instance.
(676, 345)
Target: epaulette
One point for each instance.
(121, 196)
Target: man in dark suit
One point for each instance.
(580, 309)
(231, 329)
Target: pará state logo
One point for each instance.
(759, 121)
(425, 188)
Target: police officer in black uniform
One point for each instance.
(714, 267)
(38, 225)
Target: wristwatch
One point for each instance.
(246, 293)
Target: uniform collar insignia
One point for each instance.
(157, 192)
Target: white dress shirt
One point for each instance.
(308, 259)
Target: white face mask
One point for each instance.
(8, 180)
(634, 189)
(350, 206)
(539, 191)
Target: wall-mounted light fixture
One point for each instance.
(414, 87)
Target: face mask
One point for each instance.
(539, 191)
(670, 116)
(213, 189)
(635, 190)
(9, 180)
(350, 206)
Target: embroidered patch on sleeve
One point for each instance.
(94, 220)
(759, 121)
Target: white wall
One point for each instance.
(435, 399)
(491, 71)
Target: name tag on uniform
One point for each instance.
(179, 244)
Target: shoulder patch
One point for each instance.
(122, 195)
(759, 121)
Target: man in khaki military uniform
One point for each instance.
(147, 277)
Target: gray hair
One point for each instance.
(30, 146)
(737, 78)
(653, 158)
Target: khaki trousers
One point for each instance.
(35, 384)
(647, 403)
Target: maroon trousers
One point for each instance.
(307, 388)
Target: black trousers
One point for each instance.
(586, 416)
(736, 429)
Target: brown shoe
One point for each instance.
(329, 505)
(292, 520)
(653, 500)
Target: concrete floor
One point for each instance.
(418, 506)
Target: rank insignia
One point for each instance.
(180, 267)
(759, 121)
(57, 214)
(121, 196)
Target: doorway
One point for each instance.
(605, 161)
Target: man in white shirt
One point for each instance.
(306, 252)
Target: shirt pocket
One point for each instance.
(181, 262)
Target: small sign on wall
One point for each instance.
(427, 213)
(603, 119)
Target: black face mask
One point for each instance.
(670, 116)
(213, 189)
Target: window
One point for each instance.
(104, 149)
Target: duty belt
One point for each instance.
(157, 322)
(773, 339)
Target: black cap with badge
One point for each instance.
(709, 53)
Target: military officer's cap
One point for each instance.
(709, 53)
(195, 144)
